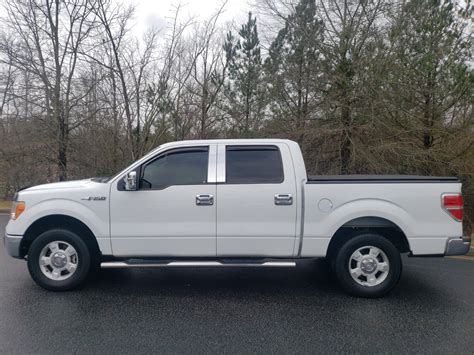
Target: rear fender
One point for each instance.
(352, 210)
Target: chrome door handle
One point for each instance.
(283, 199)
(204, 200)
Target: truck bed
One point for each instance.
(372, 179)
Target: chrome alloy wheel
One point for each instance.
(58, 260)
(369, 266)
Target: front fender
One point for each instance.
(96, 222)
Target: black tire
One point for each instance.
(343, 274)
(84, 261)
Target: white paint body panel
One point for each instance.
(163, 222)
(414, 207)
(249, 222)
(66, 198)
(243, 220)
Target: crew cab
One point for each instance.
(241, 203)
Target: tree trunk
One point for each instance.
(115, 133)
(62, 151)
(428, 118)
(204, 103)
(346, 143)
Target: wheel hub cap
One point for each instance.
(368, 265)
(59, 260)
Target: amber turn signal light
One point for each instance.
(17, 209)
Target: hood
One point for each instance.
(60, 185)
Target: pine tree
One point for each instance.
(430, 86)
(292, 69)
(352, 51)
(245, 88)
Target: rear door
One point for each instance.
(256, 200)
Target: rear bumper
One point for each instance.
(12, 245)
(458, 246)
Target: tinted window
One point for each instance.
(178, 167)
(253, 165)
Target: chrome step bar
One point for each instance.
(125, 264)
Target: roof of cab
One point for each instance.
(222, 141)
(226, 141)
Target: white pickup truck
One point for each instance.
(242, 203)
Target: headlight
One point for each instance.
(17, 209)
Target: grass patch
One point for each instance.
(5, 205)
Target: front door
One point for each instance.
(256, 201)
(173, 211)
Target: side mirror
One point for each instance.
(130, 181)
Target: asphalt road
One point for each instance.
(298, 310)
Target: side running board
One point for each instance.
(147, 264)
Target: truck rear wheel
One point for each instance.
(59, 260)
(368, 265)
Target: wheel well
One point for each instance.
(58, 221)
(364, 225)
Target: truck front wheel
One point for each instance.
(368, 265)
(59, 260)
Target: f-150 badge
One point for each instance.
(94, 198)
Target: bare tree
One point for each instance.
(114, 19)
(49, 36)
(210, 65)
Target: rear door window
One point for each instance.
(260, 164)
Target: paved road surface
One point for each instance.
(238, 311)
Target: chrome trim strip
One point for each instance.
(300, 247)
(123, 264)
(279, 264)
(113, 265)
(212, 168)
(221, 163)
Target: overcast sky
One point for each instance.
(155, 12)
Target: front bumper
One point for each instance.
(12, 245)
(458, 246)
